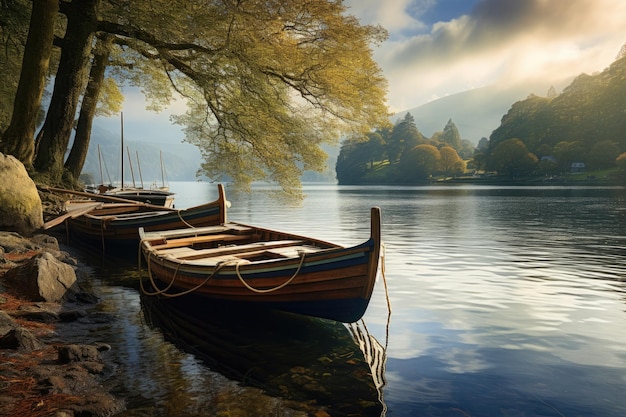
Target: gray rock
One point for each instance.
(79, 353)
(42, 278)
(7, 323)
(20, 205)
(20, 339)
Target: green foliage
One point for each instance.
(450, 161)
(357, 156)
(362, 159)
(620, 161)
(512, 158)
(403, 137)
(451, 135)
(585, 123)
(420, 163)
(266, 83)
(603, 154)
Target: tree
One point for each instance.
(352, 161)
(512, 158)
(15, 16)
(451, 135)
(69, 84)
(567, 152)
(17, 140)
(450, 163)
(404, 136)
(603, 154)
(78, 153)
(551, 93)
(620, 161)
(266, 83)
(419, 163)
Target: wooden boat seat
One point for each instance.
(236, 250)
(293, 251)
(173, 248)
(254, 255)
(185, 237)
(139, 215)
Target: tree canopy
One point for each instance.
(266, 83)
(402, 154)
(585, 123)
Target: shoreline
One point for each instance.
(45, 369)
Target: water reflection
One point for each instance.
(309, 361)
(506, 302)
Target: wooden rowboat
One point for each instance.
(114, 226)
(266, 268)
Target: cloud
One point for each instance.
(498, 41)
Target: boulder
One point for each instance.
(20, 338)
(79, 353)
(6, 323)
(42, 278)
(20, 205)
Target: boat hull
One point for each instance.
(334, 283)
(114, 228)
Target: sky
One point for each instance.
(442, 47)
(438, 48)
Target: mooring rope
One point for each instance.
(382, 272)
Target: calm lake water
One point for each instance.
(506, 301)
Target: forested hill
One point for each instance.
(586, 122)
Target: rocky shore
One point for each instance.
(44, 371)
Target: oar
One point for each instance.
(101, 197)
(70, 215)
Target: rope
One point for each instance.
(183, 220)
(382, 272)
(267, 290)
(164, 292)
(217, 268)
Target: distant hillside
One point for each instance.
(584, 123)
(476, 113)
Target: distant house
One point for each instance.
(548, 158)
(578, 167)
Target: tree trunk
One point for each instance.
(78, 154)
(19, 138)
(69, 83)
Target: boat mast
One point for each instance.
(162, 170)
(100, 162)
(139, 169)
(122, 148)
(130, 164)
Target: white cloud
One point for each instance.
(500, 41)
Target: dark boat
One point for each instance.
(113, 226)
(155, 197)
(253, 265)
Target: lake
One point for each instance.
(505, 301)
